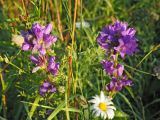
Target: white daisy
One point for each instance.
(102, 106)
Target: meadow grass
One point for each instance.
(81, 75)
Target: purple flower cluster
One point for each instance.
(112, 69)
(53, 66)
(39, 40)
(116, 72)
(47, 87)
(118, 37)
(117, 85)
(41, 63)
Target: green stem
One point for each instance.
(33, 108)
(3, 96)
(154, 49)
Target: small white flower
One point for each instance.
(102, 106)
(17, 39)
(84, 24)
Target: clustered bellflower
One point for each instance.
(39, 40)
(47, 87)
(116, 72)
(117, 40)
(118, 37)
(112, 69)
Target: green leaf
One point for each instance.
(121, 114)
(34, 106)
(56, 111)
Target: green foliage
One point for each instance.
(21, 87)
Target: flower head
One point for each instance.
(112, 69)
(40, 62)
(118, 37)
(103, 106)
(117, 85)
(47, 87)
(53, 66)
(29, 40)
(38, 39)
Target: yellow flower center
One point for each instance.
(103, 106)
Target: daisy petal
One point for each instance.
(110, 113)
(111, 107)
(102, 97)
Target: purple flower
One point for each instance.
(47, 87)
(28, 40)
(48, 29)
(117, 85)
(49, 111)
(111, 69)
(53, 66)
(118, 37)
(49, 40)
(42, 91)
(37, 30)
(46, 84)
(52, 89)
(126, 82)
(114, 85)
(40, 62)
(127, 45)
(38, 39)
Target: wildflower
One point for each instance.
(17, 39)
(49, 111)
(61, 89)
(47, 87)
(53, 66)
(84, 24)
(37, 30)
(118, 37)
(127, 45)
(40, 62)
(103, 106)
(117, 85)
(38, 39)
(29, 40)
(112, 69)
(114, 85)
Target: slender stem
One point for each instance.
(154, 49)
(76, 106)
(134, 69)
(73, 35)
(69, 7)
(116, 59)
(6, 65)
(70, 56)
(3, 96)
(59, 19)
(24, 8)
(69, 74)
(33, 108)
(1, 3)
(52, 10)
(74, 22)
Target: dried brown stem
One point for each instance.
(74, 22)
(59, 19)
(69, 74)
